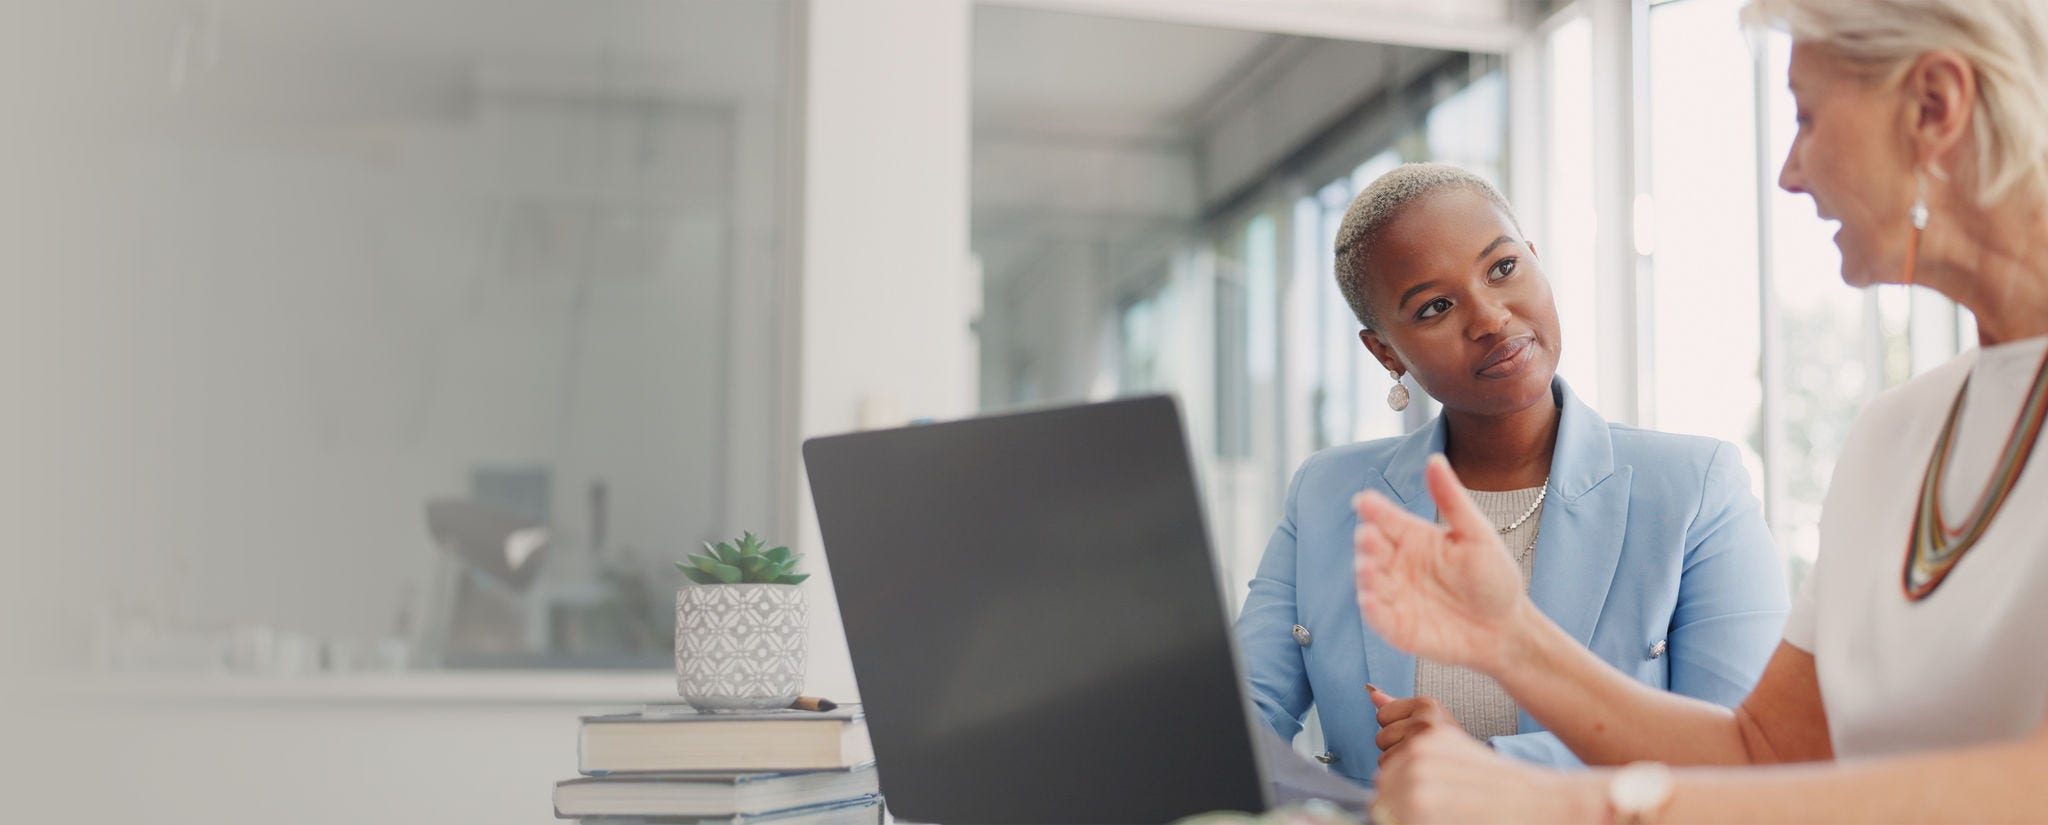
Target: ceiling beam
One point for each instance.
(1491, 28)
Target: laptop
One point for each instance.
(1037, 625)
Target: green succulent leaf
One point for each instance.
(745, 560)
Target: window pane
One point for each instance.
(1469, 128)
(1567, 251)
(1336, 392)
(1826, 364)
(1374, 419)
(1705, 328)
(1305, 342)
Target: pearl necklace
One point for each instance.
(1541, 493)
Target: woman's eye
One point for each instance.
(1434, 308)
(1503, 269)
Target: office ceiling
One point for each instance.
(1041, 72)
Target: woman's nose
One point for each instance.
(1488, 318)
(1790, 177)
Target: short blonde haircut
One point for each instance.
(1378, 204)
(2004, 41)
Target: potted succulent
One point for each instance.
(740, 627)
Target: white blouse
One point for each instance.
(1968, 663)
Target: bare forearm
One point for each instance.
(1991, 783)
(1605, 717)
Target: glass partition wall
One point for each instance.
(403, 334)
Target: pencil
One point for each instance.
(813, 703)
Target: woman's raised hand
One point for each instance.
(1449, 594)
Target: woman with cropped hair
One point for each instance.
(1648, 546)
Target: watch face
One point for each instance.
(1641, 787)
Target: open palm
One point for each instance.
(1443, 593)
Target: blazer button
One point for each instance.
(1301, 636)
(1657, 650)
(1326, 757)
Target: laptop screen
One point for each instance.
(1035, 619)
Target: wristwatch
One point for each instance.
(1638, 793)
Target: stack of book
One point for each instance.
(672, 764)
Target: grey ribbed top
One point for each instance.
(1478, 702)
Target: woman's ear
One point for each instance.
(1941, 93)
(1381, 351)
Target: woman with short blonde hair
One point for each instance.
(1910, 674)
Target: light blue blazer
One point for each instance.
(1651, 551)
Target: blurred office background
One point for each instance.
(281, 272)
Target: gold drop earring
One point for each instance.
(1397, 397)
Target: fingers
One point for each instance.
(1376, 591)
(1375, 545)
(1420, 707)
(1401, 719)
(1452, 502)
(1401, 759)
(1399, 525)
(1379, 615)
(1440, 774)
(1379, 698)
(1391, 736)
(1372, 552)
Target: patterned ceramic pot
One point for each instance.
(740, 646)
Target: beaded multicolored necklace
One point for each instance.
(1934, 547)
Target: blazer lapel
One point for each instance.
(1583, 525)
(1579, 544)
(1389, 668)
(1577, 553)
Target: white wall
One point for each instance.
(887, 290)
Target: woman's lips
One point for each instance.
(1507, 358)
